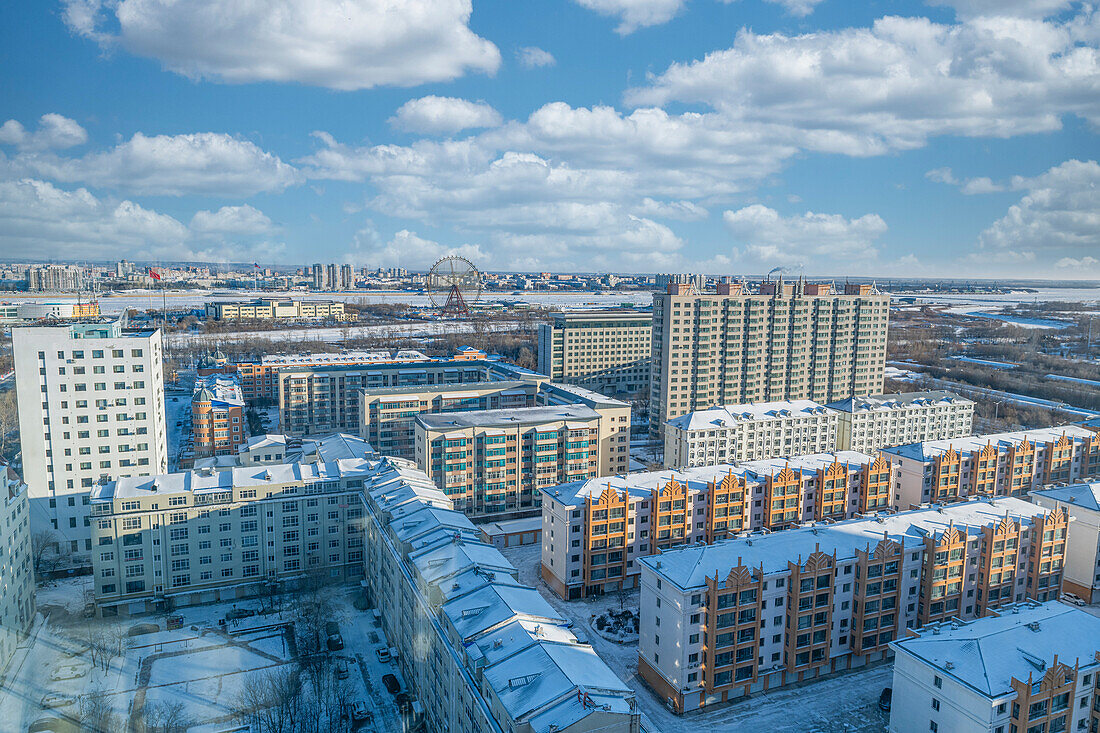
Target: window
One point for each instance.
(937, 682)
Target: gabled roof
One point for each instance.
(929, 449)
(484, 609)
(1084, 496)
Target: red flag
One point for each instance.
(154, 274)
(256, 265)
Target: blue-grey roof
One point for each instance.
(1085, 496)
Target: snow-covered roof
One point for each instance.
(265, 440)
(346, 357)
(688, 567)
(1022, 641)
(507, 418)
(929, 449)
(439, 563)
(1084, 496)
(560, 393)
(428, 519)
(727, 416)
(890, 402)
(511, 526)
(810, 463)
(488, 607)
(336, 446)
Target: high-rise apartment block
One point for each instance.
(1028, 668)
(1082, 501)
(607, 351)
(1001, 464)
(91, 408)
(594, 531)
(750, 614)
(16, 564)
(750, 432)
(871, 422)
(218, 425)
(784, 342)
(55, 278)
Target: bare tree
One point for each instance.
(96, 714)
(44, 550)
(271, 702)
(9, 421)
(165, 717)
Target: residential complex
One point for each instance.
(749, 432)
(1030, 667)
(594, 531)
(91, 407)
(607, 351)
(218, 422)
(1082, 501)
(784, 342)
(16, 564)
(208, 535)
(871, 422)
(482, 652)
(278, 309)
(387, 415)
(1001, 464)
(750, 614)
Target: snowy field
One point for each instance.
(847, 702)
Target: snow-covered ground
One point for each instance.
(335, 335)
(847, 702)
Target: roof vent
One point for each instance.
(949, 665)
(1034, 625)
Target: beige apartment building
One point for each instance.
(746, 615)
(607, 351)
(1082, 501)
(870, 422)
(786, 341)
(749, 432)
(16, 564)
(210, 535)
(278, 309)
(594, 531)
(1001, 464)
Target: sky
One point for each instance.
(944, 138)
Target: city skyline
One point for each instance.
(902, 139)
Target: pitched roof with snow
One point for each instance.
(890, 402)
(727, 416)
(1084, 496)
(929, 449)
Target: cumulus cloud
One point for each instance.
(173, 165)
(1060, 213)
(435, 115)
(798, 8)
(1020, 8)
(1073, 263)
(243, 219)
(340, 44)
(54, 132)
(405, 249)
(969, 186)
(533, 57)
(635, 14)
(768, 236)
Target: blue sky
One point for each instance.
(954, 138)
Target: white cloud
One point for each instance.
(341, 44)
(54, 131)
(1071, 263)
(942, 175)
(406, 249)
(1059, 213)
(867, 91)
(36, 216)
(231, 220)
(970, 186)
(635, 14)
(533, 57)
(434, 115)
(1021, 8)
(798, 8)
(807, 239)
(174, 165)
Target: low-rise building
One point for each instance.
(1082, 501)
(16, 564)
(750, 614)
(271, 309)
(870, 422)
(606, 351)
(218, 425)
(1030, 667)
(749, 432)
(1001, 464)
(594, 531)
(481, 652)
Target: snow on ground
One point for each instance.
(846, 702)
(338, 334)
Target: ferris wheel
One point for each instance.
(454, 284)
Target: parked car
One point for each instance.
(332, 628)
(341, 669)
(383, 654)
(235, 613)
(1071, 598)
(52, 724)
(57, 700)
(885, 698)
(391, 683)
(360, 712)
(335, 643)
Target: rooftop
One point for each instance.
(929, 449)
(344, 357)
(221, 388)
(1085, 496)
(457, 387)
(335, 447)
(729, 415)
(688, 567)
(507, 418)
(887, 402)
(576, 394)
(1022, 642)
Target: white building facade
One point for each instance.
(16, 565)
(871, 422)
(1082, 501)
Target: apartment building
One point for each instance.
(482, 653)
(751, 614)
(91, 406)
(784, 342)
(1029, 667)
(218, 426)
(492, 463)
(614, 435)
(1082, 501)
(277, 309)
(387, 415)
(16, 564)
(206, 535)
(871, 422)
(749, 432)
(1000, 464)
(594, 531)
(607, 351)
(325, 399)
